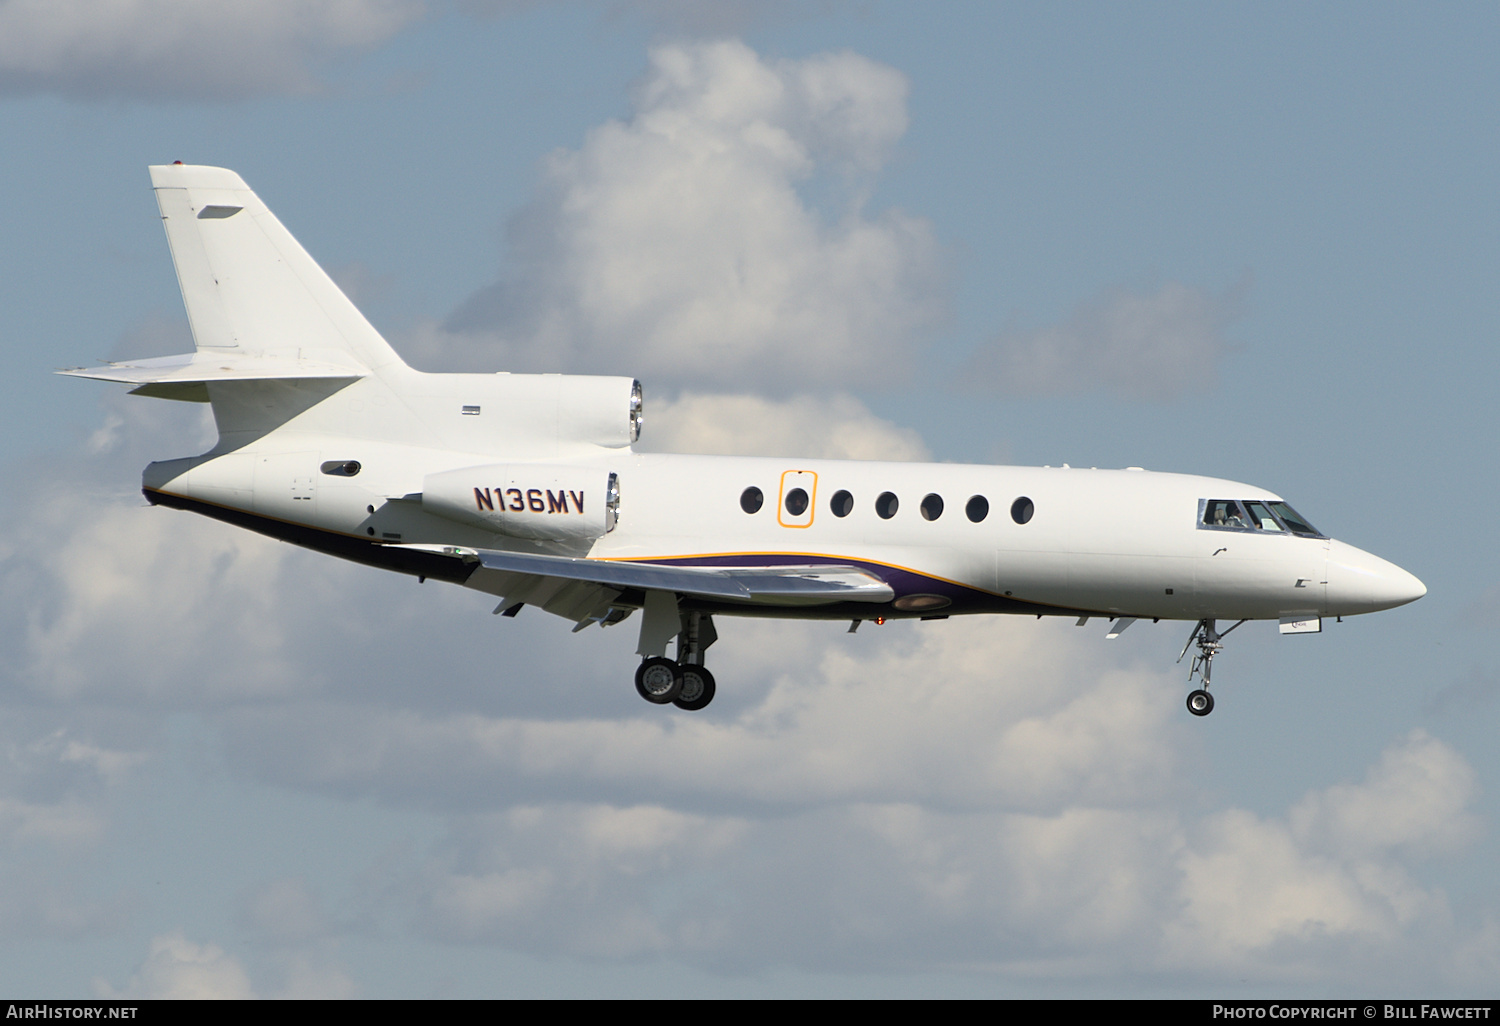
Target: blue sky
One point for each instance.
(1253, 241)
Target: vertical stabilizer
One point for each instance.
(248, 286)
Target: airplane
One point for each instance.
(527, 487)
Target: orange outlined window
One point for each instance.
(798, 500)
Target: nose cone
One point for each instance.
(1359, 582)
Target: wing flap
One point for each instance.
(770, 585)
(776, 585)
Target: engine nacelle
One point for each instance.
(545, 502)
(526, 417)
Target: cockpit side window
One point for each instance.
(1223, 513)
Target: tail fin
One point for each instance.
(250, 289)
(274, 335)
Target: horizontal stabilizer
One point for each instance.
(184, 377)
(781, 585)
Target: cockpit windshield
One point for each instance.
(1261, 517)
(1253, 515)
(1293, 520)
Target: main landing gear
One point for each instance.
(1210, 640)
(661, 681)
(684, 682)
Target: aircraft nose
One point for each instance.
(1359, 582)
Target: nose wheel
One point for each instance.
(1210, 642)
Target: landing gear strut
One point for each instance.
(685, 682)
(1210, 640)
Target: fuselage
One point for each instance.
(948, 538)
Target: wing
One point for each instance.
(586, 590)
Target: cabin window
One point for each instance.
(796, 502)
(886, 505)
(977, 509)
(842, 503)
(751, 499)
(932, 507)
(1021, 510)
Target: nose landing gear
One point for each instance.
(1210, 641)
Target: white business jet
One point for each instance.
(526, 487)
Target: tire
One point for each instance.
(1200, 703)
(697, 688)
(658, 680)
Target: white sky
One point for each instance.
(1251, 240)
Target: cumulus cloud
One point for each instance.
(836, 426)
(953, 795)
(676, 246)
(1334, 875)
(61, 772)
(1416, 797)
(156, 593)
(1152, 346)
(177, 968)
(820, 716)
(185, 49)
(1074, 890)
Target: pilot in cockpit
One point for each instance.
(1225, 513)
